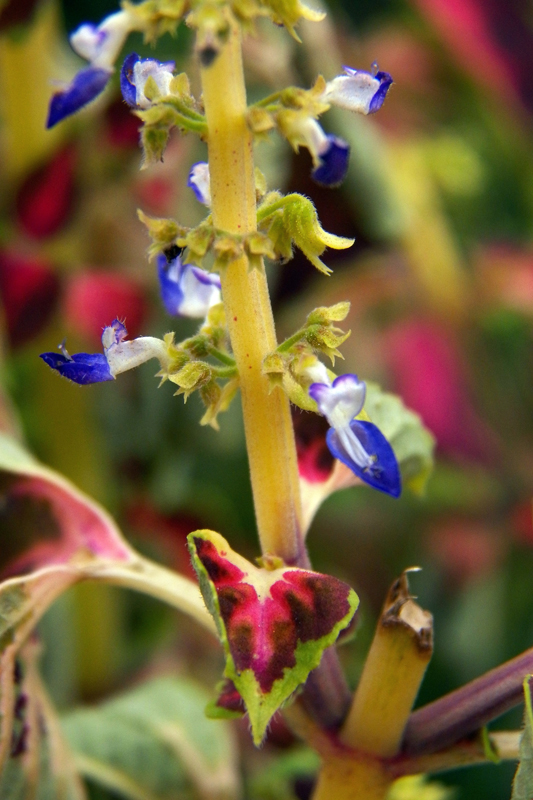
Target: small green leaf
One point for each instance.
(523, 782)
(155, 743)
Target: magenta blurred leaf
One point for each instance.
(429, 375)
(492, 41)
(29, 288)
(93, 298)
(45, 200)
(274, 622)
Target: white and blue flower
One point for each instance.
(200, 182)
(135, 73)
(358, 90)
(118, 356)
(100, 45)
(330, 154)
(359, 444)
(186, 291)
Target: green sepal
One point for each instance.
(289, 12)
(156, 17)
(162, 232)
(293, 218)
(192, 376)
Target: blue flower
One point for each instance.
(135, 73)
(118, 356)
(360, 445)
(84, 87)
(330, 154)
(186, 291)
(358, 90)
(199, 181)
(333, 162)
(100, 45)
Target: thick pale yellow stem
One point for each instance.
(342, 779)
(391, 678)
(267, 419)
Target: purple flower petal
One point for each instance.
(134, 74)
(82, 368)
(379, 98)
(207, 278)
(384, 473)
(84, 87)
(333, 163)
(169, 275)
(114, 334)
(127, 85)
(186, 291)
(199, 182)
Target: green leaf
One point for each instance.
(412, 443)
(274, 622)
(523, 782)
(39, 764)
(154, 743)
(53, 537)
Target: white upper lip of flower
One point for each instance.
(150, 68)
(340, 402)
(353, 91)
(101, 45)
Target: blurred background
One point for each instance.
(440, 199)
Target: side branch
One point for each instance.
(460, 713)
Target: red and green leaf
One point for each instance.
(274, 624)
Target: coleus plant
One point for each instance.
(277, 621)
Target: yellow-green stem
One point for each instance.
(344, 779)
(267, 419)
(392, 674)
(391, 678)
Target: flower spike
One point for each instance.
(358, 90)
(358, 444)
(186, 291)
(118, 356)
(135, 74)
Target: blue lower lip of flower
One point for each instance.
(333, 163)
(82, 368)
(84, 87)
(384, 474)
(379, 97)
(171, 293)
(127, 87)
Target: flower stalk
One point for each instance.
(267, 420)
